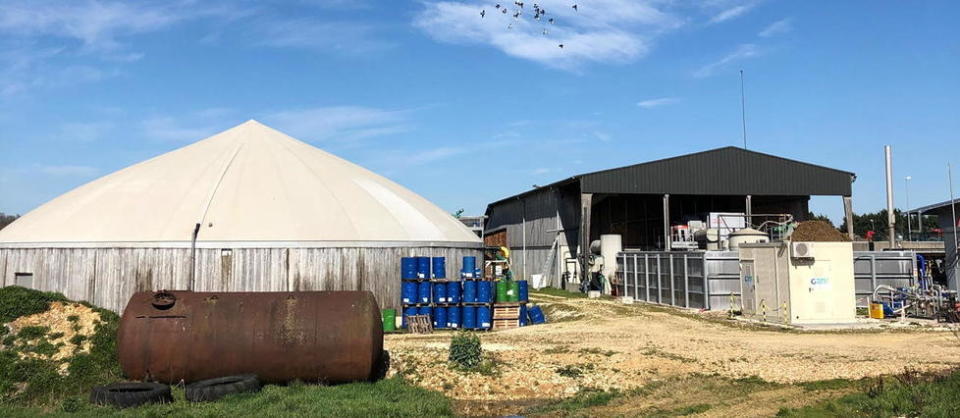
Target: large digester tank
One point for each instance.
(175, 336)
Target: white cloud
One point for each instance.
(338, 123)
(742, 52)
(724, 10)
(662, 101)
(603, 31)
(777, 28)
(730, 13)
(344, 37)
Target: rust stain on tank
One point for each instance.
(281, 336)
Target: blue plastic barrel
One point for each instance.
(536, 315)
(423, 293)
(484, 292)
(469, 265)
(425, 310)
(453, 317)
(423, 267)
(439, 293)
(453, 292)
(408, 267)
(439, 267)
(468, 317)
(408, 293)
(523, 315)
(469, 291)
(409, 311)
(524, 290)
(440, 318)
(484, 317)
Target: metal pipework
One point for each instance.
(891, 219)
(175, 336)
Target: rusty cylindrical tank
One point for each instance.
(174, 336)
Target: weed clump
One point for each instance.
(465, 351)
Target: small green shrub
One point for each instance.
(16, 301)
(465, 351)
(73, 318)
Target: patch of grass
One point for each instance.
(559, 349)
(32, 333)
(832, 384)
(389, 398)
(16, 301)
(574, 370)
(656, 352)
(584, 399)
(553, 291)
(594, 350)
(680, 412)
(909, 394)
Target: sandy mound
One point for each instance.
(817, 231)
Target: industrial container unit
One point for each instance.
(798, 283)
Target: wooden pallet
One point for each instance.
(508, 304)
(420, 324)
(506, 323)
(506, 312)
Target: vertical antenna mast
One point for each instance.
(953, 218)
(743, 111)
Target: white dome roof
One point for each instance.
(250, 186)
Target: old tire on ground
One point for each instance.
(130, 394)
(213, 389)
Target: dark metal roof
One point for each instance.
(721, 171)
(936, 207)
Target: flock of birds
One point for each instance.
(538, 13)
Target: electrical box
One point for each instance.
(798, 283)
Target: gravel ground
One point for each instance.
(604, 344)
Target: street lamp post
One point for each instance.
(906, 191)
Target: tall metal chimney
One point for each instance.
(891, 219)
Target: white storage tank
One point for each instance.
(746, 236)
(798, 283)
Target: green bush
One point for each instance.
(16, 301)
(465, 351)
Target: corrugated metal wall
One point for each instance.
(107, 277)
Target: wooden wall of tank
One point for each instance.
(107, 277)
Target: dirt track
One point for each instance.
(603, 344)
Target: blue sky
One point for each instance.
(466, 110)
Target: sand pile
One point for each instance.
(817, 231)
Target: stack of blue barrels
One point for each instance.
(416, 290)
(477, 296)
(464, 301)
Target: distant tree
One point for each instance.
(458, 213)
(7, 219)
(877, 222)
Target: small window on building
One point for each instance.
(23, 279)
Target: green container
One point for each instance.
(514, 293)
(389, 320)
(502, 287)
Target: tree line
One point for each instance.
(877, 222)
(7, 219)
